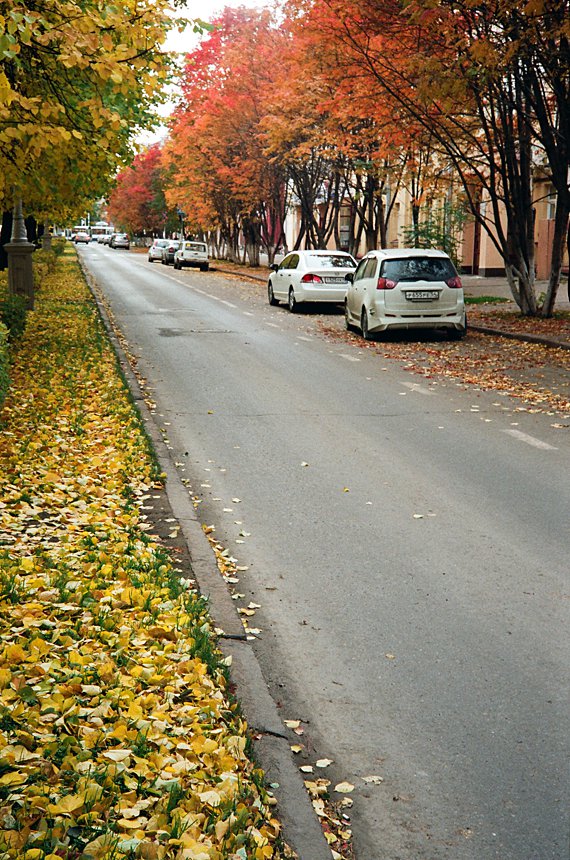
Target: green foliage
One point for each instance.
(4, 363)
(440, 228)
(13, 315)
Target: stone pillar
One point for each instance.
(19, 250)
(46, 237)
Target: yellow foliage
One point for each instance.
(95, 672)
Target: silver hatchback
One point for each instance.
(405, 288)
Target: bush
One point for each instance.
(45, 260)
(4, 363)
(58, 245)
(13, 315)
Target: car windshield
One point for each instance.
(418, 269)
(330, 261)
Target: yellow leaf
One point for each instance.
(68, 804)
(14, 654)
(27, 564)
(13, 778)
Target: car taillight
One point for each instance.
(311, 279)
(385, 284)
(455, 283)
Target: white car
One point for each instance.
(155, 250)
(310, 276)
(191, 253)
(405, 288)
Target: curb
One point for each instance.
(301, 828)
(544, 340)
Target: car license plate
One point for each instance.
(422, 295)
(335, 281)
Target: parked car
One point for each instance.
(120, 240)
(155, 250)
(405, 288)
(310, 276)
(191, 253)
(169, 251)
(82, 237)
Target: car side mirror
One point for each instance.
(274, 267)
(349, 277)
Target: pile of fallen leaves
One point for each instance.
(536, 375)
(118, 738)
(513, 322)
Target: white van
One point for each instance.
(191, 253)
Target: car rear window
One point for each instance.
(330, 261)
(418, 269)
(195, 246)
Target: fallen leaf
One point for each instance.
(344, 787)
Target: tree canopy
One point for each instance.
(78, 79)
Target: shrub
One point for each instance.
(13, 315)
(44, 260)
(4, 363)
(58, 245)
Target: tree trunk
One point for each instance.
(558, 243)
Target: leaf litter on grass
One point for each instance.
(118, 735)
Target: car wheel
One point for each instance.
(347, 321)
(292, 302)
(364, 325)
(204, 268)
(271, 295)
(459, 333)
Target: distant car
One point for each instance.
(120, 240)
(104, 238)
(169, 251)
(82, 237)
(310, 276)
(155, 250)
(405, 288)
(191, 253)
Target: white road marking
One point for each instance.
(348, 357)
(273, 325)
(414, 386)
(530, 440)
(306, 339)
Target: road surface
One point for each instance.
(406, 541)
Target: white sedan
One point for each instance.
(310, 276)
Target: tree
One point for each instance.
(489, 82)
(78, 78)
(137, 203)
(216, 165)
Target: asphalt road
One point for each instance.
(406, 540)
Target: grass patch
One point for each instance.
(485, 300)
